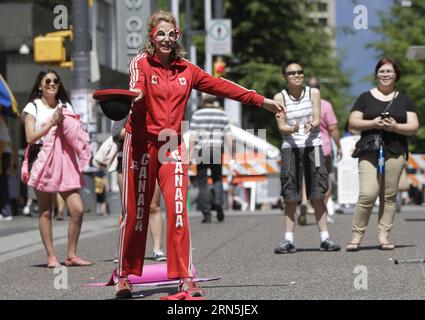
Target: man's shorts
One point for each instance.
(308, 162)
(329, 163)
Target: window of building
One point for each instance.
(323, 21)
(104, 32)
(322, 7)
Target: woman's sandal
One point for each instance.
(53, 262)
(77, 262)
(386, 246)
(352, 246)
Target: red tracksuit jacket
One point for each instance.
(167, 90)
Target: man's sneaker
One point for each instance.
(191, 288)
(8, 218)
(285, 247)
(207, 218)
(220, 214)
(329, 245)
(26, 211)
(159, 256)
(123, 288)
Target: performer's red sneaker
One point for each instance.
(123, 288)
(191, 288)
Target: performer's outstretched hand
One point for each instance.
(140, 96)
(274, 107)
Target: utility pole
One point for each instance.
(191, 52)
(81, 52)
(82, 91)
(218, 14)
(175, 9)
(188, 27)
(218, 9)
(207, 18)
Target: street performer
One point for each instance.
(163, 80)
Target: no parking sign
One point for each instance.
(219, 37)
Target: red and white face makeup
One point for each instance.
(164, 36)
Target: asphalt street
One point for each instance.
(239, 250)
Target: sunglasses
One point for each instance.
(47, 82)
(173, 34)
(293, 73)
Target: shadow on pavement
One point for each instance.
(309, 250)
(43, 265)
(362, 248)
(141, 294)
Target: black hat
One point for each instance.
(115, 103)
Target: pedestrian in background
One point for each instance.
(155, 216)
(48, 117)
(101, 188)
(59, 206)
(302, 155)
(31, 205)
(15, 189)
(5, 162)
(389, 114)
(209, 130)
(328, 130)
(164, 80)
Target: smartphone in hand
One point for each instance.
(385, 115)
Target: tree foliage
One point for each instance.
(402, 29)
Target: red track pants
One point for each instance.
(142, 165)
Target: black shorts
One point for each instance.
(329, 163)
(308, 162)
(101, 197)
(119, 164)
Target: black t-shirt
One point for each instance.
(394, 143)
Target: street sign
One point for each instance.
(219, 36)
(416, 53)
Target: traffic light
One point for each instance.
(219, 68)
(50, 49)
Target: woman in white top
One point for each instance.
(47, 99)
(302, 155)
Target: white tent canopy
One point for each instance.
(249, 140)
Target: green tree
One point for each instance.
(402, 29)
